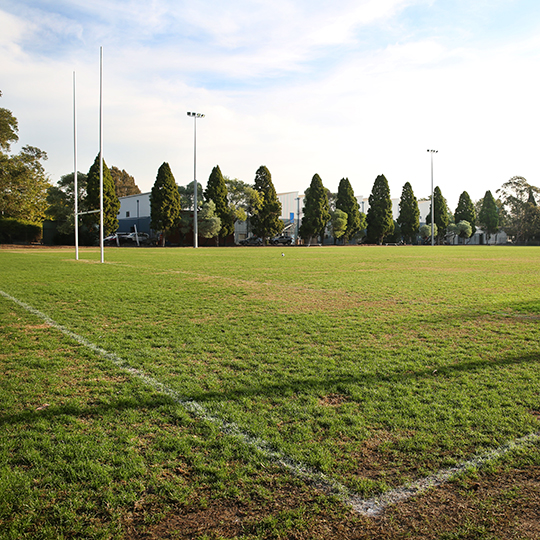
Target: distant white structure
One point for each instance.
(423, 206)
(292, 204)
(134, 211)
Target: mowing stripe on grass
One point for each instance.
(371, 507)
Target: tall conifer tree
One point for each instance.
(347, 202)
(111, 204)
(441, 213)
(380, 222)
(165, 207)
(216, 190)
(488, 217)
(316, 210)
(465, 211)
(409, 214)
(266, 220)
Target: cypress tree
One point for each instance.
(380, 222)
(347, 202)
(465, 212)
(266, 220)
(409, 214)
(316, 210)
(216, 190)
(488, 217)
(441, 213)
(111, 204)
(165, 208)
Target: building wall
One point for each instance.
(134, 211)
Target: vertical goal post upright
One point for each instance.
(75, 186)
(101, 227)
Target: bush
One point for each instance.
(17, 230)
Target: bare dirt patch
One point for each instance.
(496, 506)
(332, 400)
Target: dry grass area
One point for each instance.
(503, 505)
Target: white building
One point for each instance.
(292, 204)
(134, 212)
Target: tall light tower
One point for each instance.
(195, 228)
(432, 206)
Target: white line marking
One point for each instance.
(370, 507)
(377, 505)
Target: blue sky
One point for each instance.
(354, 88)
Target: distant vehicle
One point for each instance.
(116, 239)
(282, 240)
(144, 238)
(251, 241)
(123, 239)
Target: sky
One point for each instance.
(348, 88)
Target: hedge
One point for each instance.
(17, 230)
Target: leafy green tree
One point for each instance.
(23, 185)
(338, 221)
(465, 229)
(216, 190)
(244, 200)
(347, 202)
(9, 129)
(488, 216)
(266, 221)
(531, 228)
(409, 213)
(380, 222)
(61, 201)
(362, 227)
(425, 231)
(515, 196)
(462, 229)
(208, 222)
(23, 181)
(124, 183)
(316, 210)
(165, 206)
(442, 218)
(465, 211)
(111, 204)
(186, 196)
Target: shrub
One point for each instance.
(17, 230)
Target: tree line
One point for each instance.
(27, 196)
(223, 202)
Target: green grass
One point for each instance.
(375, 366)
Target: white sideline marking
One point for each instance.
(370, 507)
(377, 505)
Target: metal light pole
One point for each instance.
(195, 228)
(432, 206)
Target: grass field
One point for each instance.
(373, 366)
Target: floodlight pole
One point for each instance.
(101, 224)
(75, 184)
(195, 227)
(432, 206)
